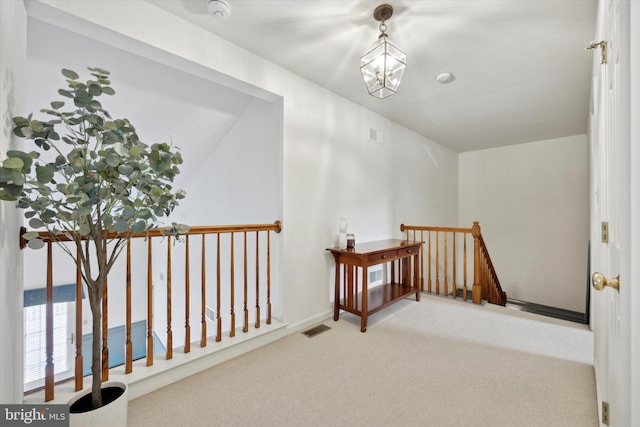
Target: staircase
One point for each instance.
(447, 262)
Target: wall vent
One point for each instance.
(376, 275)
(375, 135)
(210, 314)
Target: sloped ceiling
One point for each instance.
(164, 104)
(522, 72)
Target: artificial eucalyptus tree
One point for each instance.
(89, 178)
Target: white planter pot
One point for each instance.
(113, 414)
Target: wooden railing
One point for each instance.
(447, 263)
(227, 293)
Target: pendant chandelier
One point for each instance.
(383, 64)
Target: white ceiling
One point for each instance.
(522, 73)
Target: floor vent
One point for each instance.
(316, 330)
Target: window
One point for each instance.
(35, 356)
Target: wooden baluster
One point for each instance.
(257, 279)
(437, 263)
(455, 257)
(414, 282)
(477, 268)
(464, 289)
(485, 281)
(203, 294)
(169, 331)
(421, 261)
(128, 346)
(268, 277)
(218, 287)
(49, 369)
(446, 282)
(232, 333)
(187, 300)
(149, 302)
(245, 327)
(79, 359)
(105, 331)
(429, 263)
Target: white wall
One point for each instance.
(532, 202)
(13, 48)
(330, 168)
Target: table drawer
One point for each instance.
(408, 251)
(383, 257)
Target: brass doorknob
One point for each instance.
(599, 282)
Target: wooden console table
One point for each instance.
(356, 297)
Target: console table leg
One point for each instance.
(365, 300)
(416, 274)
(336, 302)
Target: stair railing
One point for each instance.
(237, 251)
(445, 253)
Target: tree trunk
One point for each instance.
(95, 300)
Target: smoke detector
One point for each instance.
(445, 78)
(220, 9)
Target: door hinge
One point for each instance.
(605, 413)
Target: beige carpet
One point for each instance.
(430, 363)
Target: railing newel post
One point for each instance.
(477, 267)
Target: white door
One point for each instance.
(610, 204)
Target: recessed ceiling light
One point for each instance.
(445, 78)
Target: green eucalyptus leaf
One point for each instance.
(113, 159)
(128, 212)
(17, 178)
(13, 191)
(36, 126)
(5, 174)
(106, 89)
(35, 244)
(95, 89)
(125, 169)
(20, 121)
(56, 105)
(120, 149)
(65, 93)
(91, 202)
(48, 215)
(122, 226)
(84, 211)
(44, 174)
(135, 151)
(143, 214)
(70, 74)
(30, 235)
(13, 163)
(84, 229)
(138, 227)
(36, 223)
(23, 132)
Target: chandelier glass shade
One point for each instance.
(382, 66)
